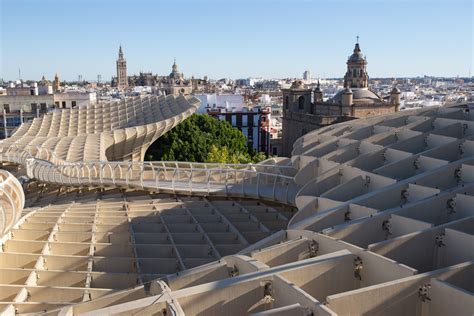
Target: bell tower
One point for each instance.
(356, 75)
(122, 81)
(56, 84)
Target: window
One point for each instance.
(301, 103)
(34, 107)
(255, 120)
(245, 131)
(244, 120)
(64, 104)
(13, 121)
(57, 104)
(6, 107)
(286, 101)
(43, 107)
(73, 104)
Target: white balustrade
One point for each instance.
(251, 180)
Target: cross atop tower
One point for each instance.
(357, 37)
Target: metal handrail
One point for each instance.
(176, 177)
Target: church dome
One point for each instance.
(175, 74)
(361, 96)
(347, 91)
(357, 54)
(298, 84)
(45, 82)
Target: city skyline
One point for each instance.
(270, 39)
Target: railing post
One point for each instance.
(274, 187)
(157, 178)
(89, 174)
(56, 174)
(101, 173)
(208, 177)
(226, 181)
(127, 174)
(258, 184)
(70, 176)
(142, 167)
(113, 174)
(190, 181)
(172, 180)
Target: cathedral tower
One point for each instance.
(56, 84)
(356, 75)
(122, 81)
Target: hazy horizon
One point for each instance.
(251, 77)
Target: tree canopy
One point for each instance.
(202, 138)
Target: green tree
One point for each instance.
(221, 155)
(259, 156)
(202, 138)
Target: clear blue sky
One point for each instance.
(235, 38)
